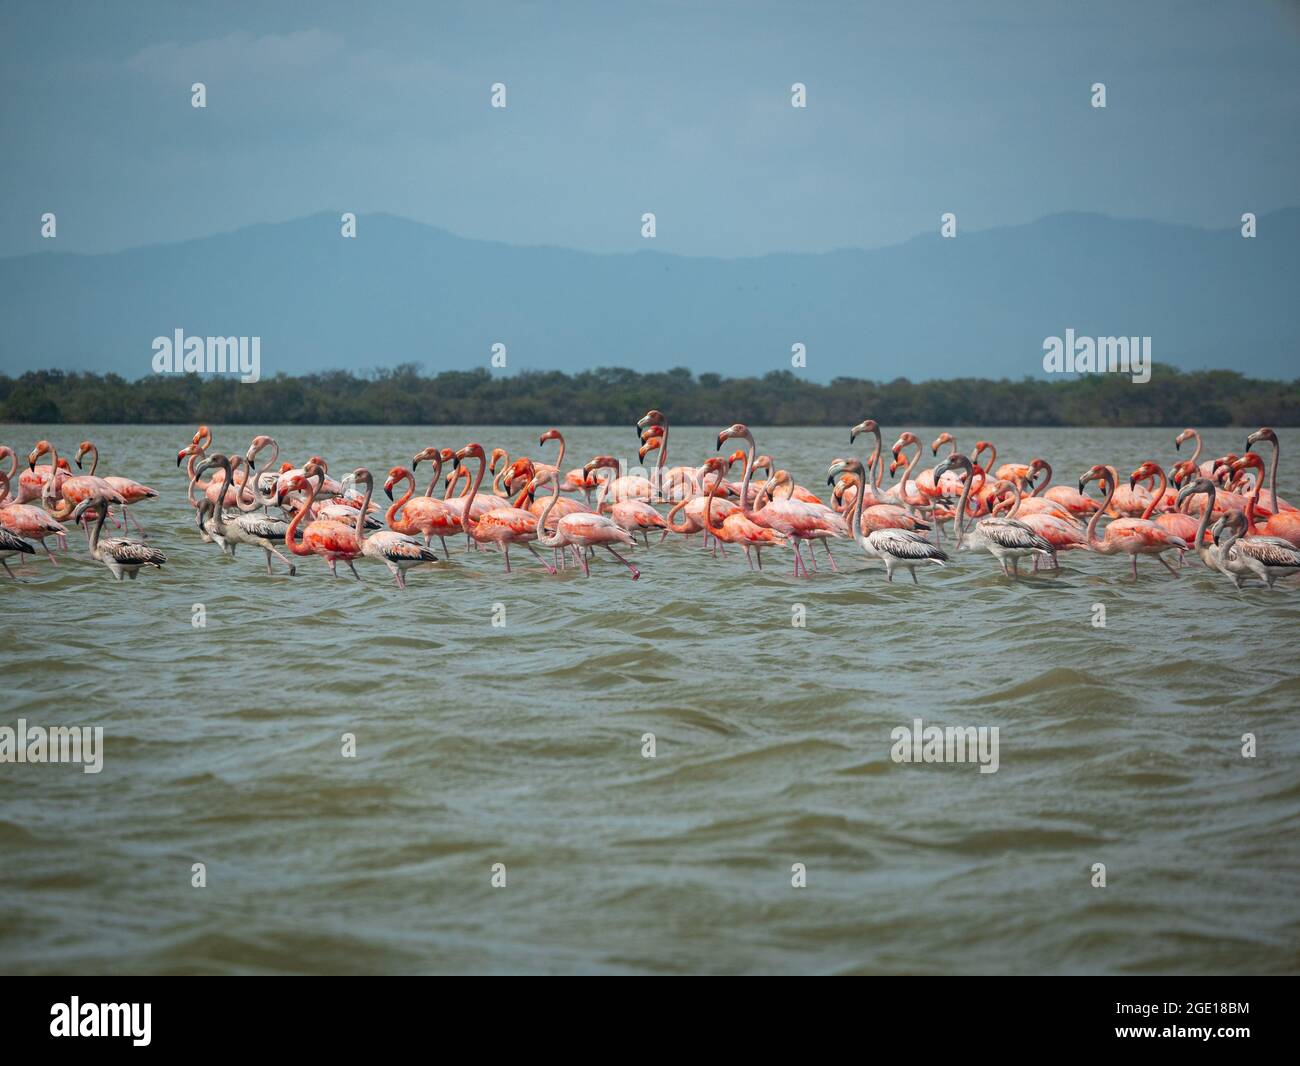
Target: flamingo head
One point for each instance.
(193, 448)
(778, 479)
(843, 468)
(650, 444)
(260, 442)
(42, 448)
(1249, 461)
(1201, 484)
(1263, 433)
(1186, 434)
(980, 446)
(940, 441)
(867, 426)
(1233, 522)
(738, 430)
(82, 448)
(472, 450)
(203, 436)
(1180, 472)
(1096, 473)
(1146, 472)
(519, 470)
(904, 439)
(955, 461)
(396, 474)
(550, 434)
(738, 456)
(427, 453)
(652, 419)
(499, 455)
(598, 462)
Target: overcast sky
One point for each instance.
(618, 108)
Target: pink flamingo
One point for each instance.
(799, 520)
(1076, 503)
(30, 482)
(675, 483)
(736, 528)
(581, 530)
(633, 515)
(397, 551)
(1128, 536)
(130, 491)
(426, 515)
(332, 540)
(29, 522)
(501, 525)
(1285, 522)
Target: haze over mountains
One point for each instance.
(978, 305)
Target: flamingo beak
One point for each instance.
(1178, 444)
(179, 456)
(388, 489)
(718, 446)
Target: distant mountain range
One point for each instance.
(978, 305)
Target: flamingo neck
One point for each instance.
(292, 531)
(744, 482)
(1157, 494)
(391, 517)
(553, 542)
(1094, 542)
(466, 522)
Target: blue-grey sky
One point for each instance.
(618, 108)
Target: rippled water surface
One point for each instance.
(522, 745)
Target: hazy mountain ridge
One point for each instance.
(978, 305)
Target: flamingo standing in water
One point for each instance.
(1076, 503)
(735, 528)
(501, 525)
(258, 530)
(31, 523)
(1285, 521)
(1127, 536)
(124, 558)
(581, 530)
(61, 495)
(426, 515)
(1267, 558)
(634, 515)
(130, 491)
(893, 547)
(332, 540)
(1008, 540)
(1175, 521)
(397, 551)
(796, 520)
(32, 481)
(1062, 533)
(674, 483)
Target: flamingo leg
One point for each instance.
(353, 569)
(834, 568)
(7, 570)
(813, 556)
(532, 548)
(507, 550)
(586, 568)
(758, 554)
(635, 572)
(1167, 566)
(915, 579)
(1135, 566)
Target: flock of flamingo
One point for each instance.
(1218, 507)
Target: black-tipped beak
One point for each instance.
(1132, 482)
(1081, 484)
(388, 491)
(1178, 445)
(251, 465)
(718, 447)
(541, 441)
(179, 457)
(830, 479)
(853, 435)
(79, 466)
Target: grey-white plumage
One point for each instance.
(12, 544)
